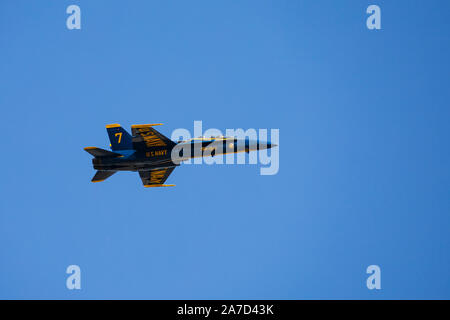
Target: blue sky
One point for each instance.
(363, 118)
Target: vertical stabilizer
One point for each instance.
(120, 139)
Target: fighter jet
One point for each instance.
(154, 156)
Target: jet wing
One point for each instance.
(156, 177)
(146, 136)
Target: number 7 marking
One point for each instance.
(120, 136)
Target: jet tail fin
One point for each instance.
(120, 139)
(102, 175)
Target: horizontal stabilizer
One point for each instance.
(99, 153)
(102, 175)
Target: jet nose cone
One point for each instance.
(265, 145)
(260, 144)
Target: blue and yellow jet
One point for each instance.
(155, 156)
